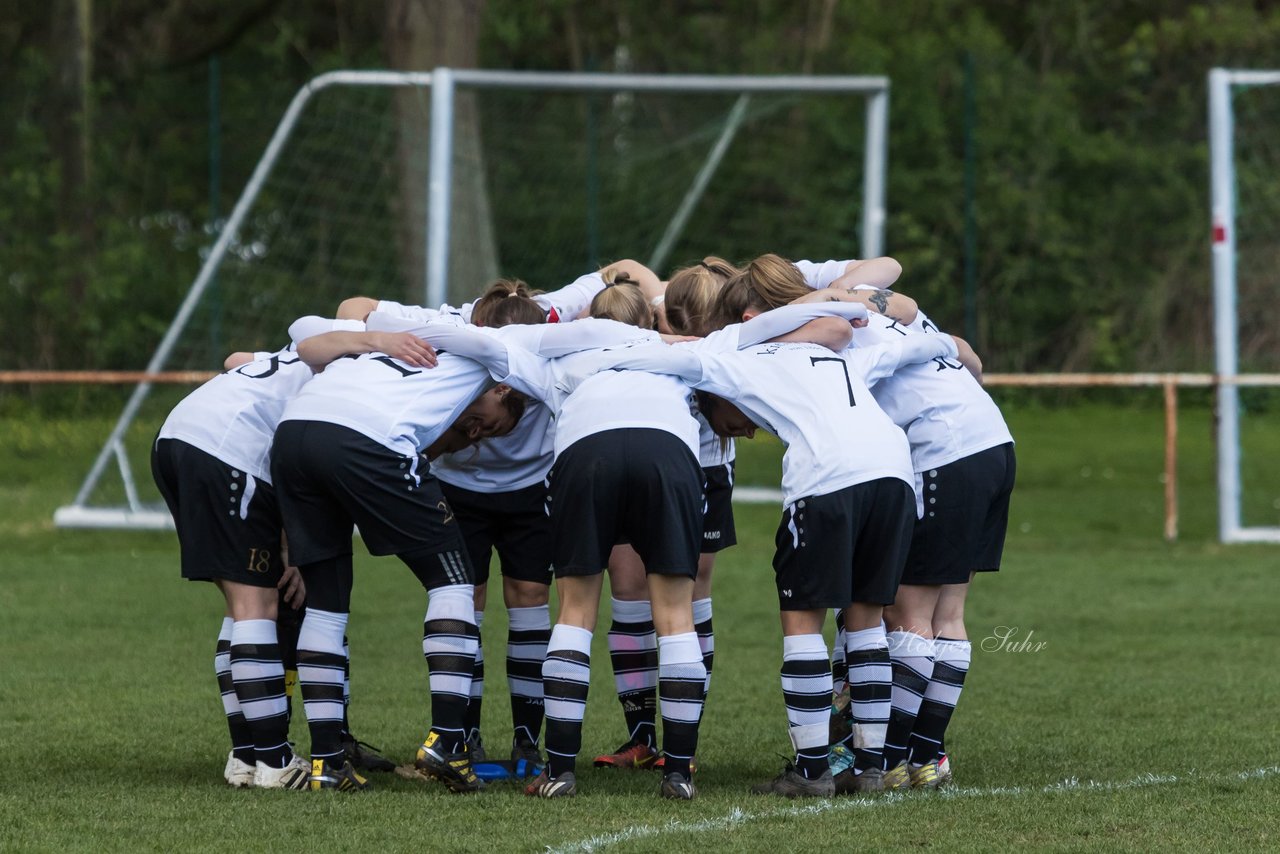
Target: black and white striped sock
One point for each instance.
(450, 640)
(682, 688)
(321, 672)
(477, 686)
(870, 693)
(258, 674)
(912, 657)
(950, 665)
(241, 735)
(566, 675)
(633, 651)
(806, 691)
(529, 630)
(706, 635)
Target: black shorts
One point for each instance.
(331, 477)
(966, 514)
(636, 485)
(846, 546)
(228, 521)
(515, 523)
(718, 531)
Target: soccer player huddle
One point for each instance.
(585, 431)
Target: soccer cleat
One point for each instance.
(944, 770)
(475, 746)
(564, 786)
(925, 776)
(526, 761)
(792, 784)
(632, 755)
(238, 774)
(292, 776)
(849, 783)
(344, 779)
(364, 756)
(452, 769)
(660, 764)
(897, 777)
(676, 787)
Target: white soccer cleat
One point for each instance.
(295, 775)
(239, 775)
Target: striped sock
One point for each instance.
(870, 693)
(806, 690)
(682, 687)
(258, 674)
(527, 636)
(346, 686)
(706, 635)
(912, 657)
(241, 735)
(839, 669)
(633, 651)
(321, 668)
(950, 665)
(477, 686)
(566, 675)
(450, 640)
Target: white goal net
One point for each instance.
(422, 187)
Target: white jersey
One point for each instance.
(945, 412)
(444, 314)
(233, 416)
(560, 305)
(523, 457)
(586, 400)
(820, 274)
(712, 449)
(400, 407)
(504, 463)
(817, 402)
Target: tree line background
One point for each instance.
(1088, 120)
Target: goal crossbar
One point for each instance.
(442, 83)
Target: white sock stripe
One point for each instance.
(682, 711)
(319, 674)
(625, 611)
(255, 632)
(451, 685)
(864, 639)
(564, 710)
(809, 734)
(323, 710)
(946, 695)
(531, 688)
(541, 622)
(267, 707)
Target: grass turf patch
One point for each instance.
(1152, 682)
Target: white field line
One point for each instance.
(739, 816)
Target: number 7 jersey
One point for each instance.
(820, 405)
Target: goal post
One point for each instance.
(421, 186)
(1228, 249)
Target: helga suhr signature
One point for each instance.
(1005, 639)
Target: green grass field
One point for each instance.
(1147, 720)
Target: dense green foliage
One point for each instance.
(1114, 735)
(1090, 185)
